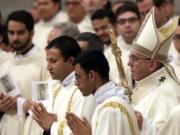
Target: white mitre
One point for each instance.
(152, 42)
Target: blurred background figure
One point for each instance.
(176, 60)
(144, 6)
(34, 11)
(77, 14)
(50, 13)
(63, 29)
(101, 19)
(93, 5)
(117, 5)
(90, 41)
(4, 43)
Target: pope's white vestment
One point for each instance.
(171, 127)
(155, 96)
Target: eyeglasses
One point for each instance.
(130, 20)
(135, 59)
(74, 3)
(177, 37)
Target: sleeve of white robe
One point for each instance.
(148, 128)
(110, 121)
(172, 126)
(81, 106)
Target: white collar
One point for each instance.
(108, 90)
(68, 80)
(29, 53)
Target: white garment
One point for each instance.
(42, 29)
(171, 127)
(125, 49)
(172, 53)
(70, 99)
(155, 96)
(24, 70)
(114, 113)
(85, 25)
(176, 65)
(5, 62)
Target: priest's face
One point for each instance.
(57, 66)
(19, 36)
(83, 81)
(140, 66)
(128, 25)
(93, 5)
(48, 9)
(101, 28)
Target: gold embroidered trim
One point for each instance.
(55, 95)
(61, 126)
(70, 101)
(122, 109)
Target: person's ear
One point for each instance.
(70, 61)
(153, 66)
(92, 75)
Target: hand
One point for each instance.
(27, 105)
(7, 103)
(43, 118)
(78, 126)
(2, 95)
(139, 118)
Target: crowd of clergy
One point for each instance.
(90, 67)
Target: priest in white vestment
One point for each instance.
(77, 15)
(28, 65)
(49, 17)
(157, 90)
(66, 96)
(114, 114)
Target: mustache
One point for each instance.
(16, 42)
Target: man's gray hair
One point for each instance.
(68, 29)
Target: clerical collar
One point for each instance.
(69, 79)
(27, 53)
(108, 90)
(27, 50)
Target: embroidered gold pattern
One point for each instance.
(55, 95)
(61, 126)
(122, 109)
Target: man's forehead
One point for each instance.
(127, 15)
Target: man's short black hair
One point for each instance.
(102, 13)
(128, 7)
(94, 61)
(3, 33)
(94, 42)
(159, 3)
(67, 46)
(23, 17)
(58, 1)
